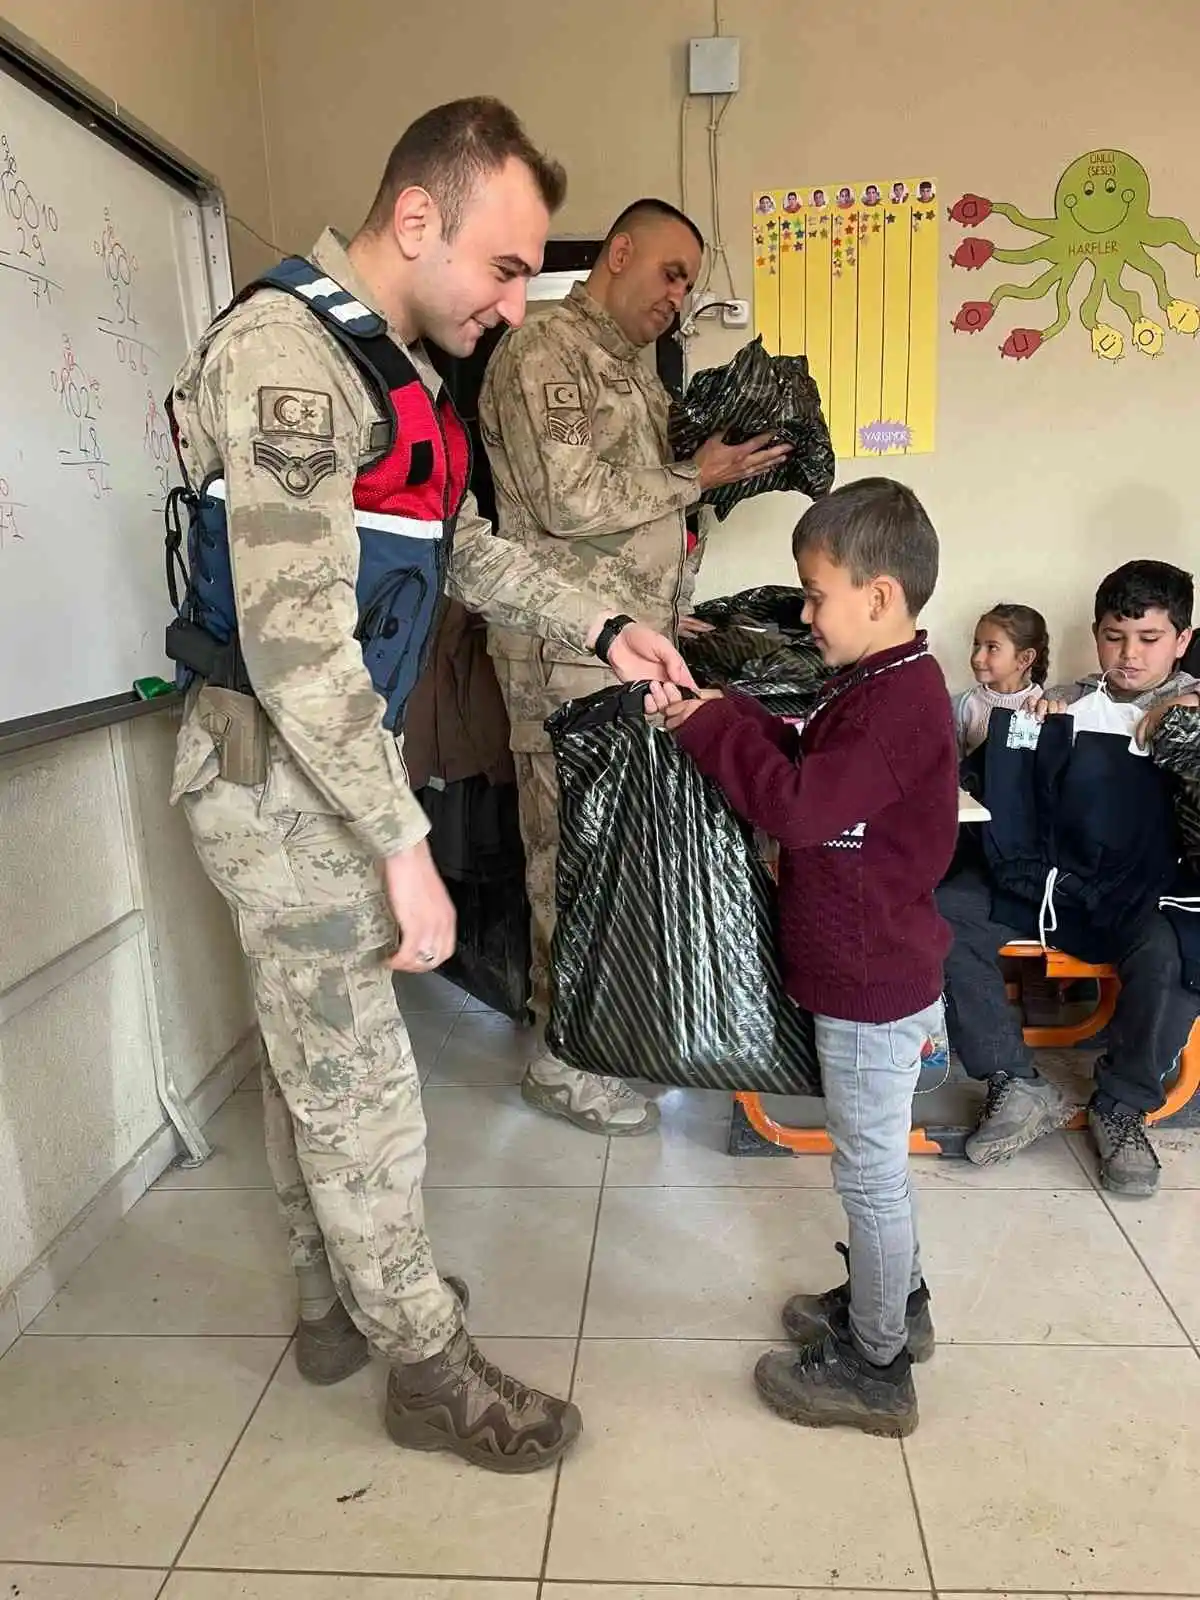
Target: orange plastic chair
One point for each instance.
(1058, 964)
(933, 1142)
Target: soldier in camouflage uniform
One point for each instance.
(297, 797)
(575, 422)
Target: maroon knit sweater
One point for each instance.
(865, 808)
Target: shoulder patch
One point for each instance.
(307, 412)
(297, 475)
(563, 397)
(569, 427)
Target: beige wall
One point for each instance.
(188, 69)
(113, 945)
(1047, 472)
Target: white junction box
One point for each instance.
(714, 65)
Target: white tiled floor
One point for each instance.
(155, 1440)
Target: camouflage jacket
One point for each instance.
(575, 425)
(295, 559)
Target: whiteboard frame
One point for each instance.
(25, 60)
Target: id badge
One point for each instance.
(1023, 731)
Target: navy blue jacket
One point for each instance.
(1082, 841)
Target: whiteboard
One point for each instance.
(107, 276)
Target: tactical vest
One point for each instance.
(405, 506)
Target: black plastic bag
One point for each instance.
(752, 394)
(475, 840)
(775, 605)
(1176, 748)
(760, 646)
(664, 965)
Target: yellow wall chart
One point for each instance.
(847, 275)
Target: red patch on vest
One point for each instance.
(388, 486)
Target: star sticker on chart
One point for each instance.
(930, 215)
(875, 227)
(760, 261)
(891, 217)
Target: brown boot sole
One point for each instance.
(416, 1433)
(890, 1428)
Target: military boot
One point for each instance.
(331, 1348)
(459, 1402)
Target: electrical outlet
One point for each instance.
(706, 304)
(736, 314)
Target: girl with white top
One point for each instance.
(1010, 660)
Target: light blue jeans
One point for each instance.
(870, 1073)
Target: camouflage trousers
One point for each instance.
(533, 690)
(345, 1129)
(537, 797)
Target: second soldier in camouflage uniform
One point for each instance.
(297, 797)
(575, 423)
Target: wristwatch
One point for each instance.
(607, 636)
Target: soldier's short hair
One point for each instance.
(647, 209)
(875, 527)
(448, 150)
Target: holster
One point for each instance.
(238, 726)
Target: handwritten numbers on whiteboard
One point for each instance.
(156, 442)
(10, 529)
(82, 400)
(122, 325)
(120, 268)
(33, 222)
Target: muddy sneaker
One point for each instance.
(331, 1348)
(809, 1317)
(458, 1401)
(1017, 1112)
(831, 1384)
(597, 1105)
(1128, 1164)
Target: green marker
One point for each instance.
(152, 688)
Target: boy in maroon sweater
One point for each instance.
(864, 805)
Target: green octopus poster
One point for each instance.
(1102, 227)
